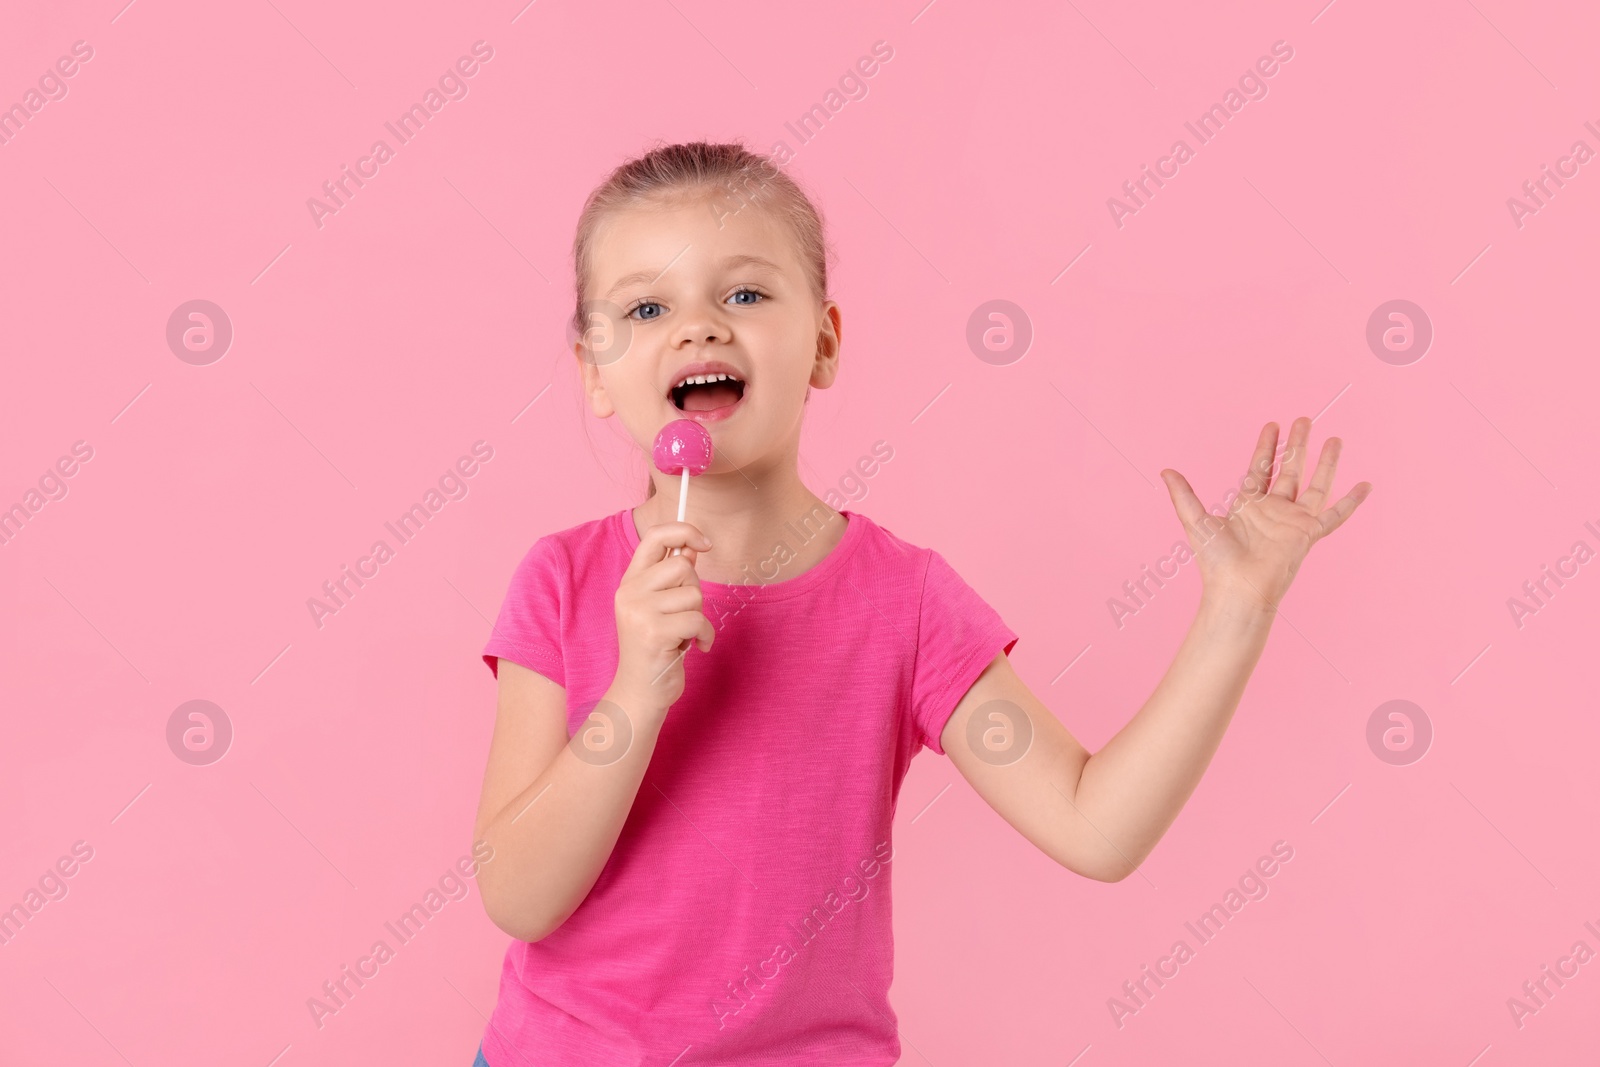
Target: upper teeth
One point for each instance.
(702, 379)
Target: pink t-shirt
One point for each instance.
(744, 914)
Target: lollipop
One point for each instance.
(682, 447)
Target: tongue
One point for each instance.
(706, 397)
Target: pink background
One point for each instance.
(370, 353)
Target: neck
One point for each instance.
(746, 514)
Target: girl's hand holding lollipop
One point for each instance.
(659, 611)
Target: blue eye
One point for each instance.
(641, 307)
(747, 292)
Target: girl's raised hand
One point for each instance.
(1257, 550)
(658, 605)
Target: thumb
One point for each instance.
(1184, 502)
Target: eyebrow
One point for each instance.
(732, 262)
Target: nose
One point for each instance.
(702, 323)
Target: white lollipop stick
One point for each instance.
(683, 504)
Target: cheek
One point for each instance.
(781, 396)
(628, 386)
(785, 350)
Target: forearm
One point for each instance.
(1132, 789)
(553, 839)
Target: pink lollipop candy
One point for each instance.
(682, 447)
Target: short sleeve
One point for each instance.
(528, 629)
(958, 635)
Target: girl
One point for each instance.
(697, 753)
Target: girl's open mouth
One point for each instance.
(707, 397)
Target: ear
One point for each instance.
(830, 337)
(593, 387)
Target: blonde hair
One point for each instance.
(696, 168)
